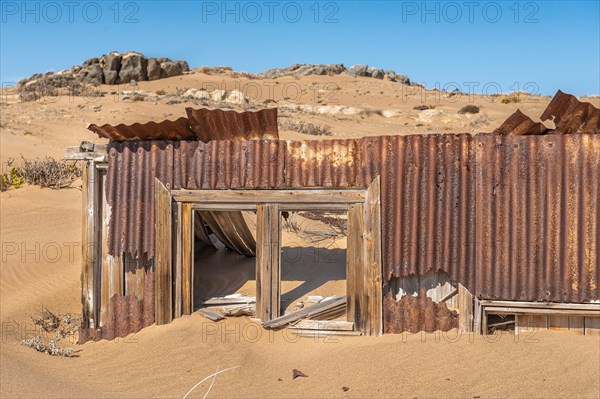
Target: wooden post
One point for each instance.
(187, 258)
(354, 257)
(105, 261)
(372, 263)
(476, 316)
(465, 309)
(268, 266)
(163, 254)
(90, 277)
(177, 261)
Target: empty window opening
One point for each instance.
(313, 260)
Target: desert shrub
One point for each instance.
(510, 99)
(60, 327)
(49, 172)
(247, 75)
(469, 109)
(305, 127)
(160, 92)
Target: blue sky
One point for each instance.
(531, 45)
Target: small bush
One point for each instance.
(59, 326)
(305, 127)
(49, 172)
(469, 109)
(510, 99)
(160, 92)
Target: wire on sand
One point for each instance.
(212, 375)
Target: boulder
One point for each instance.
(236, 97)
(218, 95)
(202, 95)
(185, 67)
(358, 70)
(92, 74)
(376, 73)
(169, 69)
(153, 69)
(133, 67)
(111, 65)
(90, 61)
(403, 79)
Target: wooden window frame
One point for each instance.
(174, 246)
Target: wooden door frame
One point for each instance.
(363, 260)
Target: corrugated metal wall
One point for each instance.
(538, 217)
(509, 217)
(132, 167)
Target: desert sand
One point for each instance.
(41, 231)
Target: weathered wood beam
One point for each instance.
(163, 254)
(270, 196)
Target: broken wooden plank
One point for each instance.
(323, 325)
(465, 309)
(325, 333)
(229, 300)
(210, 315)
(309, 311)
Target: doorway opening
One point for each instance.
(224, 260)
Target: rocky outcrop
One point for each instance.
(111, 68)
(334, 69)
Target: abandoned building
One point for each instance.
(443, 231)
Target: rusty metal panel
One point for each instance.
(126, 315)
(572, 116)
(132, 167)
(416, 313)
(519, 124)
(427, 204)
(324, 163)
(251, 164)
(218, 124)
(179, 129)
(231, 229)
(538, 218)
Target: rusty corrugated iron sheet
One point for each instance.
(132, 167)
(572, 116)
(538, 218)
(126, 315)
(231, 229)
(252, 164)
(519, 124)
(217, 124)
(416, 313)
(179, 129)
